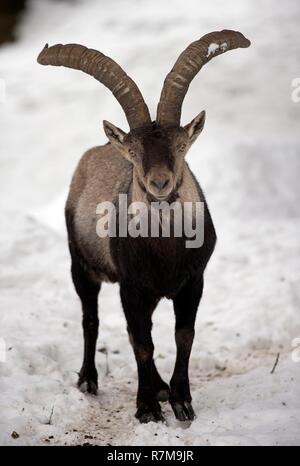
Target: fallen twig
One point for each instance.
(50, 418)
(275, 363)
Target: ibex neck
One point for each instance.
(187, 190)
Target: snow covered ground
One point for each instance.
(247, 160)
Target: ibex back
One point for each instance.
(147, 164)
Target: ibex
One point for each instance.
(148, 164)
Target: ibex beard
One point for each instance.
(147, 165)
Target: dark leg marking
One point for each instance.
(161, 388)
(185, 307)
(138, 306)
(88, 292)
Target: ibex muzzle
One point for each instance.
(147, 163)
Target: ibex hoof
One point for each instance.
(183, 411)
(88, 386)
(149, 412)
(87, 383)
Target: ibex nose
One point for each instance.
(160, 183)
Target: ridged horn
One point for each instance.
(105, 70)
(187, 66)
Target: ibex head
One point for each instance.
(156, 149)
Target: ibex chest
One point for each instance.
(162, 265)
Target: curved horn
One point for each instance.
(105, 70)
(187, 66)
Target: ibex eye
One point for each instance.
(182, 147)
(131, 152)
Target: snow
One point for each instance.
(213, 48)
(247, 160)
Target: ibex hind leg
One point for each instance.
(161, 388)
(87, 291)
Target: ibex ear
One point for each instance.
(195, 127)
(114, 134)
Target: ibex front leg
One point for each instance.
(88, 292)
(185, 306)
(138, 307)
